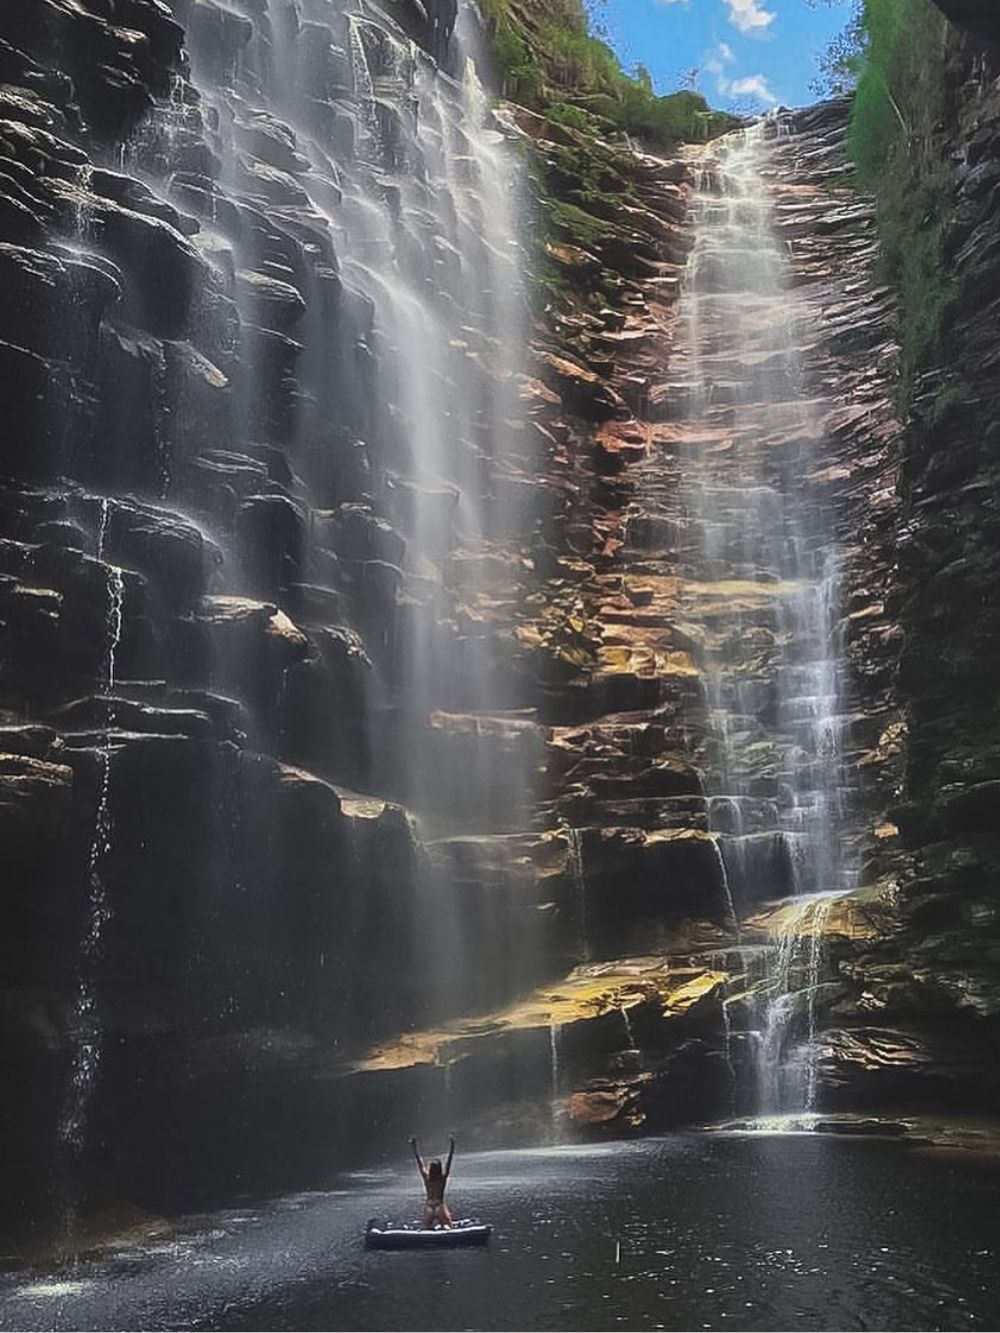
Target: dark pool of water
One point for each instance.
(690, 1232)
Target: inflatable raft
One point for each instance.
(391, 1236)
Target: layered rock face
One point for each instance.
(263, 287)
(355, 646)
(944, 963)
(293, 541)
(678, 838)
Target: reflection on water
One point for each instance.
(711, 1231)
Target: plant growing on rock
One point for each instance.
(900, 99)
(549, 59)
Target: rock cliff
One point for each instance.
(275, 891)
(943, 964)
(655, 864)
(973, 15)
(218, 552)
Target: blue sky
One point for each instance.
(750, 54)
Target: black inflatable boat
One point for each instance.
(391, 1236)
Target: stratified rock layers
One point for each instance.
(945, 585)
(211, 580)
(209, 591)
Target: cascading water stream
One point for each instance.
(335, 127)
(364, 84)
(816, 936)
(719, 963)
(788, 1079)
(763, 582)
(426, 229)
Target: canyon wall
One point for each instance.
(277, 897)
(258, 282)
(942, 965)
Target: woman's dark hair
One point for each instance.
(434, 1169)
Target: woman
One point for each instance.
(435, 1179)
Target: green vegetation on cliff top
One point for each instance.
(898, 106)
(587, 183)
(549, 60)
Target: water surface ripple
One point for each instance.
(690, 1232)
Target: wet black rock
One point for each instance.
(35, 797)
(55, 302)
(116, 66)
(162, 273)
(978, 16)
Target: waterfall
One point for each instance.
(821, 915)
(762, 579)
(424, 227)
(787, 1073)
(778, 1012)
(85, 1023)
(359, 211)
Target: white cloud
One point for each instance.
(715, 67)
(753, 85)
(749, 15)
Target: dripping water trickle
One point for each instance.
(734, 920)
(574, 842)
(162, 413)
(554, 1073)
(85, 1022)
(629, 1034)
(719, 963)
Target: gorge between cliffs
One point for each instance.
(497, 631)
